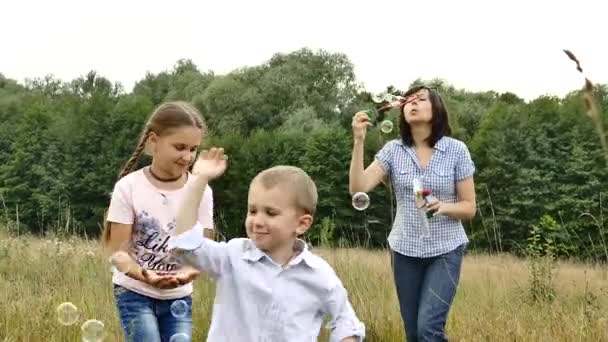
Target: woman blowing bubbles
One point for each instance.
(426, 268)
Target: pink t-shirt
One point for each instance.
(152, 211)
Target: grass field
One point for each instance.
(492, 303)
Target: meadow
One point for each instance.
(493, 303)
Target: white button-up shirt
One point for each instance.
(258, 300)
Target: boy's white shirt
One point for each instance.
(258, 300)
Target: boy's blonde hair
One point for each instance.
(296, 180)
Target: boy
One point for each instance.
(270, 287)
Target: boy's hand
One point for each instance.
(210, 164)
(186, 277)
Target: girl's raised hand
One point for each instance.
(210, 164)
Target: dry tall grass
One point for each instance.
(491, 305)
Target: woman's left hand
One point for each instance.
(435, 206)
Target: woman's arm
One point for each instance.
(361, 179)
(465, 206)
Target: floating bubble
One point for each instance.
(389, 97)
(360, 201)
(67, 313)
(180, 337)
(93, 331)
(386, 126)
(377, 98)
(179, 308)
(372, 115)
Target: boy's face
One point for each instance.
(273, 221)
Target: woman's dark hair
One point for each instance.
(440, 126)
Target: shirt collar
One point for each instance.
(439, 145)
(254, 254)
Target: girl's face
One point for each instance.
(175, 151)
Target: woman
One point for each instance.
(426, 269)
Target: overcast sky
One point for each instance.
(510, 45)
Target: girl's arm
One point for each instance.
(117, 246)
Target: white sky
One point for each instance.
(512, 45)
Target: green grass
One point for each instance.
(492, 303)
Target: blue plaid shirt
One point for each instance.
(451, 162)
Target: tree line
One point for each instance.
(63, 143)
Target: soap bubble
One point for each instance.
(389, 97)
(360, 201)
(377, 98)
(67, 313)
(93, 331)
(179, 308)
(180, 337)
(372, 115)
(386, 126)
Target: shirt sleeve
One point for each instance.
(465, 167)
(384, 156)
(191, 248)
(344, 322)
(205, 211)
(121, 205)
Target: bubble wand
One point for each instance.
(385, 103)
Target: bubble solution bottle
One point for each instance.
(423, 195)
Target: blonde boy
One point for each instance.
(270, 287)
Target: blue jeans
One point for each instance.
(148, 319)
(425, 289)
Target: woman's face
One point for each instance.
(418, 108)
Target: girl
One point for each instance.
(153, 290)
(426, 268)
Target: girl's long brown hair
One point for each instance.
(167, 116)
